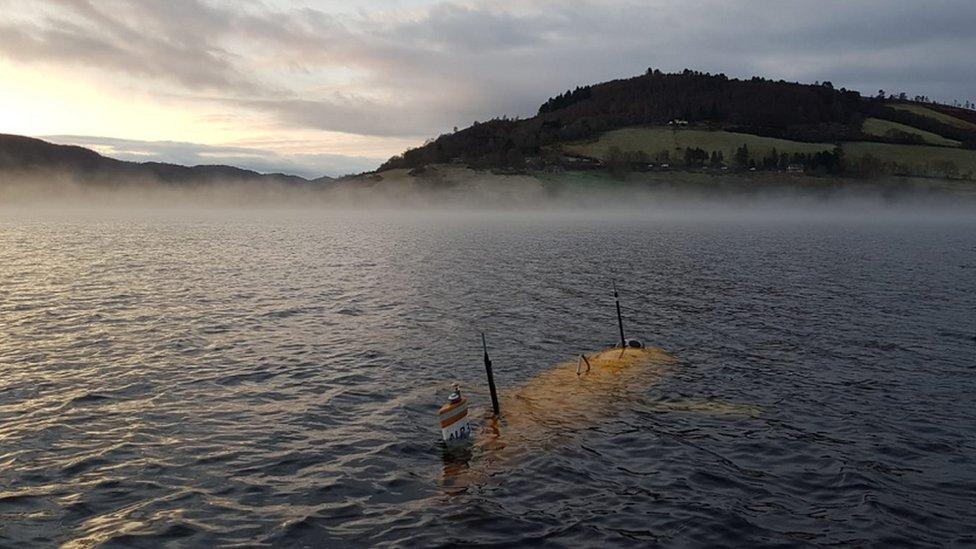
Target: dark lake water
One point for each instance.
(272, 379)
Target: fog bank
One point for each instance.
(465, 192)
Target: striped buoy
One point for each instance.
(454, 417)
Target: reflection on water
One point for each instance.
(263, 379)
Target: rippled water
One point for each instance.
(272, 379)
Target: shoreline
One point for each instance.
(453, 186)
(447, 176)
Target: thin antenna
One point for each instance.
(579, 364)
(491, 376)
(620, 320)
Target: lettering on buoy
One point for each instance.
(454, 417)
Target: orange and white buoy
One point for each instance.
(454, 417)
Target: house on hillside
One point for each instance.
(678, 122)
(580, 163)
(795, 168)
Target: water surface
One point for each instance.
(256, 378)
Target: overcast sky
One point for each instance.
(331, 87)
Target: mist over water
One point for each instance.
(830, 200)
(270, 375)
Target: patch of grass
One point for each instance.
(653, 140)
(589, 180)
(918, 160)
(881, 128)
(910, 160)
(935, 115)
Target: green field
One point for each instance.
(653, 140)
(880, 128)
(916, 160)
(935, 115)
(920, 160)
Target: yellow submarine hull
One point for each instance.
(557, 403)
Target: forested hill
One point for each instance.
(26, 156)
(762, 107)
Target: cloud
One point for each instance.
(168, 41)
(308, 165)
(454, 62)
(343, 114)
(419, 68)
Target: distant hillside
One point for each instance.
(577, 124)
(26, 156)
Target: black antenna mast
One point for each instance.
(620, 320)
(491, 376)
